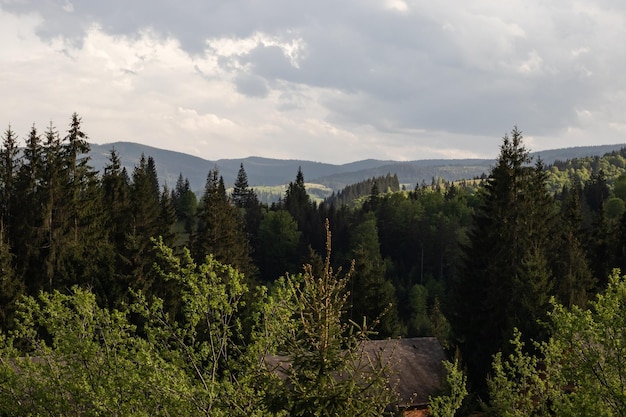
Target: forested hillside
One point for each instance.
(468, 262)
(270, 176)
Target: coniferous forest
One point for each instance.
(120, 296)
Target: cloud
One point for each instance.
(393, 78)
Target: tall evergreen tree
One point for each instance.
(26, 233)
(80, 176)
(144, 224)
(278, 244)
(241, 190)
(372, 296)
(55, 218)
(11, 287)
(167, 218)
(297, 201)
(220, 228)
(9, 165)
(574, 281)
(246, 199)
(506, 281)
(186, 204)
(117, 203)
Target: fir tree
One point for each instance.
(144, 225)
(372, 296)
(297, 201)
(220, 228)
(26, 233)
(574, 279)
(186, 203)
(506, 281)
(8, 169)
(11, 287)
(55, 218)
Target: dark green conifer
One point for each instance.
(11, 287)
(26, 233)
(9, 165)
(506, 279)
(220, 228)
(372, 296)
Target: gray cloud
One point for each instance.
(395, 67)
(251, 85)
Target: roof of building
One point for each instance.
(415, 365)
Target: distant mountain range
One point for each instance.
(277, 172)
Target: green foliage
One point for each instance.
(68, 356)
(580, 370)
(11, 287)
(506, 280)
(446, 405)
(220, 229)
(355, 192)
(372, 296)
(88, 361)
(518, 387)
(279, 240)
(330, 373)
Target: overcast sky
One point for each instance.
(325, 80)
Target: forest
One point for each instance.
(139, 299)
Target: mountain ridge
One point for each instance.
(263, 171)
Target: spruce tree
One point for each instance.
(330, 374)
(9, 165)
(11, 286)
(220, 228)
(278, 242)
(372, 296)
(55, 218)
(506, 279)
(85, 250)
(246, 199)
(297, 201)
(241, 190)
(167, 218)
(186, 203)
(26, 234)
(144, 224)
(575, 282)
(117, 204)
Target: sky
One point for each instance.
(327, 80)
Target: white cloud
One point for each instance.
(329, 81)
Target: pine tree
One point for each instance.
(167, 218)
(117, 203)
(220, 228)
(11, 286)
(8, 169)
(506, 279)
(241, 190)
(26, 232)
(372, 296)
(330, 373)
(297, 201)
(277, 252)
(55, 218)
(574, 282)
(246, 199)
(144, 224)
(84, 250)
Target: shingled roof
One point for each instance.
(416, 367)
(415, 364)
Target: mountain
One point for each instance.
(278, 172)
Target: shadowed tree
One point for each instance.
(220, 228)
(505, 282)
